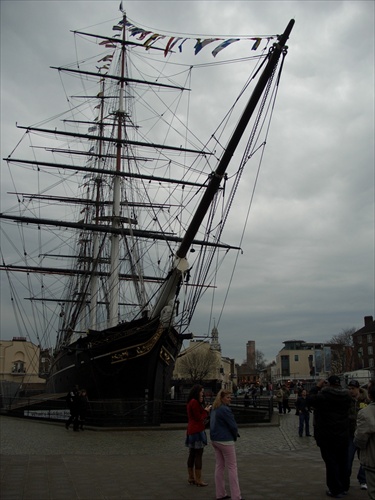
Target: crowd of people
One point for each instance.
(344, 425)
(342, 421)
(340, 428)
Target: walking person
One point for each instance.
(359, 400)
(364, 439)
(223, 434)
(246, 400)
(331, 405)
(270, 389)
(196, 438)
(83, 407)
(254, 395)
(286, 394)
(303, 412)
(279, 400)
(72, 399)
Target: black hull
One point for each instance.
(130, 361)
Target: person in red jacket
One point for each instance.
(196, 438)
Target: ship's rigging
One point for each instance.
(137, 205)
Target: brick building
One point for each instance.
(364, 344)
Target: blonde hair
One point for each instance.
(219, 398)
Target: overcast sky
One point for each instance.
(307, 271)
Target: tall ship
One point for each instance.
(116, 230)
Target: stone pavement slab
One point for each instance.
(43, 461)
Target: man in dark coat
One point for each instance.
(72, 399)
(331, 405)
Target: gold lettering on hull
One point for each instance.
(137, 350)
(166, 356)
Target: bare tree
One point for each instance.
(198, 365)
(344, 338)
(342, 351)
(260, 361)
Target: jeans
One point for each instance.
(286, 405)
(304, 418)
(225, 456)
(361, 476)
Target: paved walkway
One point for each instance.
(43, 461)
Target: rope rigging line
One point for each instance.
(272, 104)
(168, 200)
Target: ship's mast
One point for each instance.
(94, 281)
(117, 230)
(114, 283)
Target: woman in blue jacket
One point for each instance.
(224, 433)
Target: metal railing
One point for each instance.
(175, 411)
(127, 413)
(100, 413)
(253, 411)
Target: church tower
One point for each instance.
(250, 355)
(215, 345)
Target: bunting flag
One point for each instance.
(108, 44)
(153, 38)
(224, 45)
(143, 35)
(167, 47)
(181, 44)
(149, 39)
(201, 44)
(136, 31)
(174, 43)
(109, 57)
(256, 44)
